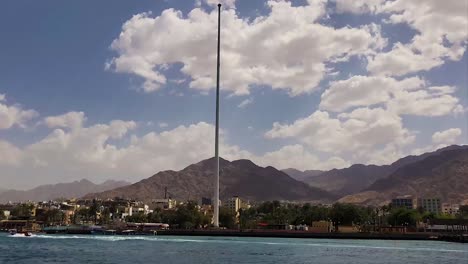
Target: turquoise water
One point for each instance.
(149, 249)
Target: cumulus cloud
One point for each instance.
(103, 151)
(14, 115)
(301, 46)
(441, 33)
(298, 157)
(446, 137)
(410, 96)
(72, 120)
(360, 133)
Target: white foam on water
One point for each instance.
(21, 235)
(185, 240)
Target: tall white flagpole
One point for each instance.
(216, 191)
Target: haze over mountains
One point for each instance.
(74, 189)
(237, 178)
(442, 173)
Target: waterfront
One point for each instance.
(154, 249)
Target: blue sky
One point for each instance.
(53, 58)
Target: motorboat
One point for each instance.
(14, 233)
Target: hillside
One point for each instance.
(74, 189)
(359, 177)
(443, 175)
(238, 178)
(301, 175)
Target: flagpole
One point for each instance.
(216, 191)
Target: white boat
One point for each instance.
(14, 233)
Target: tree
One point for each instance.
(463, 211)
(2, 215)
(403, 217)
(227, 218)
(22, 212)
(345, 214)
(137, 218)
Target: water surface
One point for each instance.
(169, 249)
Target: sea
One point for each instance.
(170, 249)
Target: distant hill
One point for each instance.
(301, 175)
(444, 174)
(359, 177)
(74, 189)
(240, 178)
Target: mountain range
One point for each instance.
(240, 178)
(74, 189)
(444, 174)
(302, 175)
(358, 177)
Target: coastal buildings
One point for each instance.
(450, 209)
(432, 205)
(235, 204)
(165, 203)
(407, 202)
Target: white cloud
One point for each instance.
(359, 133)
(410, 96)
(296, 156)
(441, 33)
(446, 137)
(301, 47)
(104, 151)
(14, 115)
(440, 139)
(9, 154)
(246, 102)
(72, 120)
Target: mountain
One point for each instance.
(301, 175)
(74, 189)
(444, 174)
(358, 177)
(240, 178)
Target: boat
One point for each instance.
(15, 233)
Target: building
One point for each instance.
(321, 226)
(234, 205)
(432, 205)
(450, 209)
(163, 203)
(406, 202)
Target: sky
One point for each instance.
(123, 89)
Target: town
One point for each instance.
(404, 215)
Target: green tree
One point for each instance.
(403, 217)
(137, 218)
(22, 212)
(345, 214)
(2, 215)
(227, 218)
